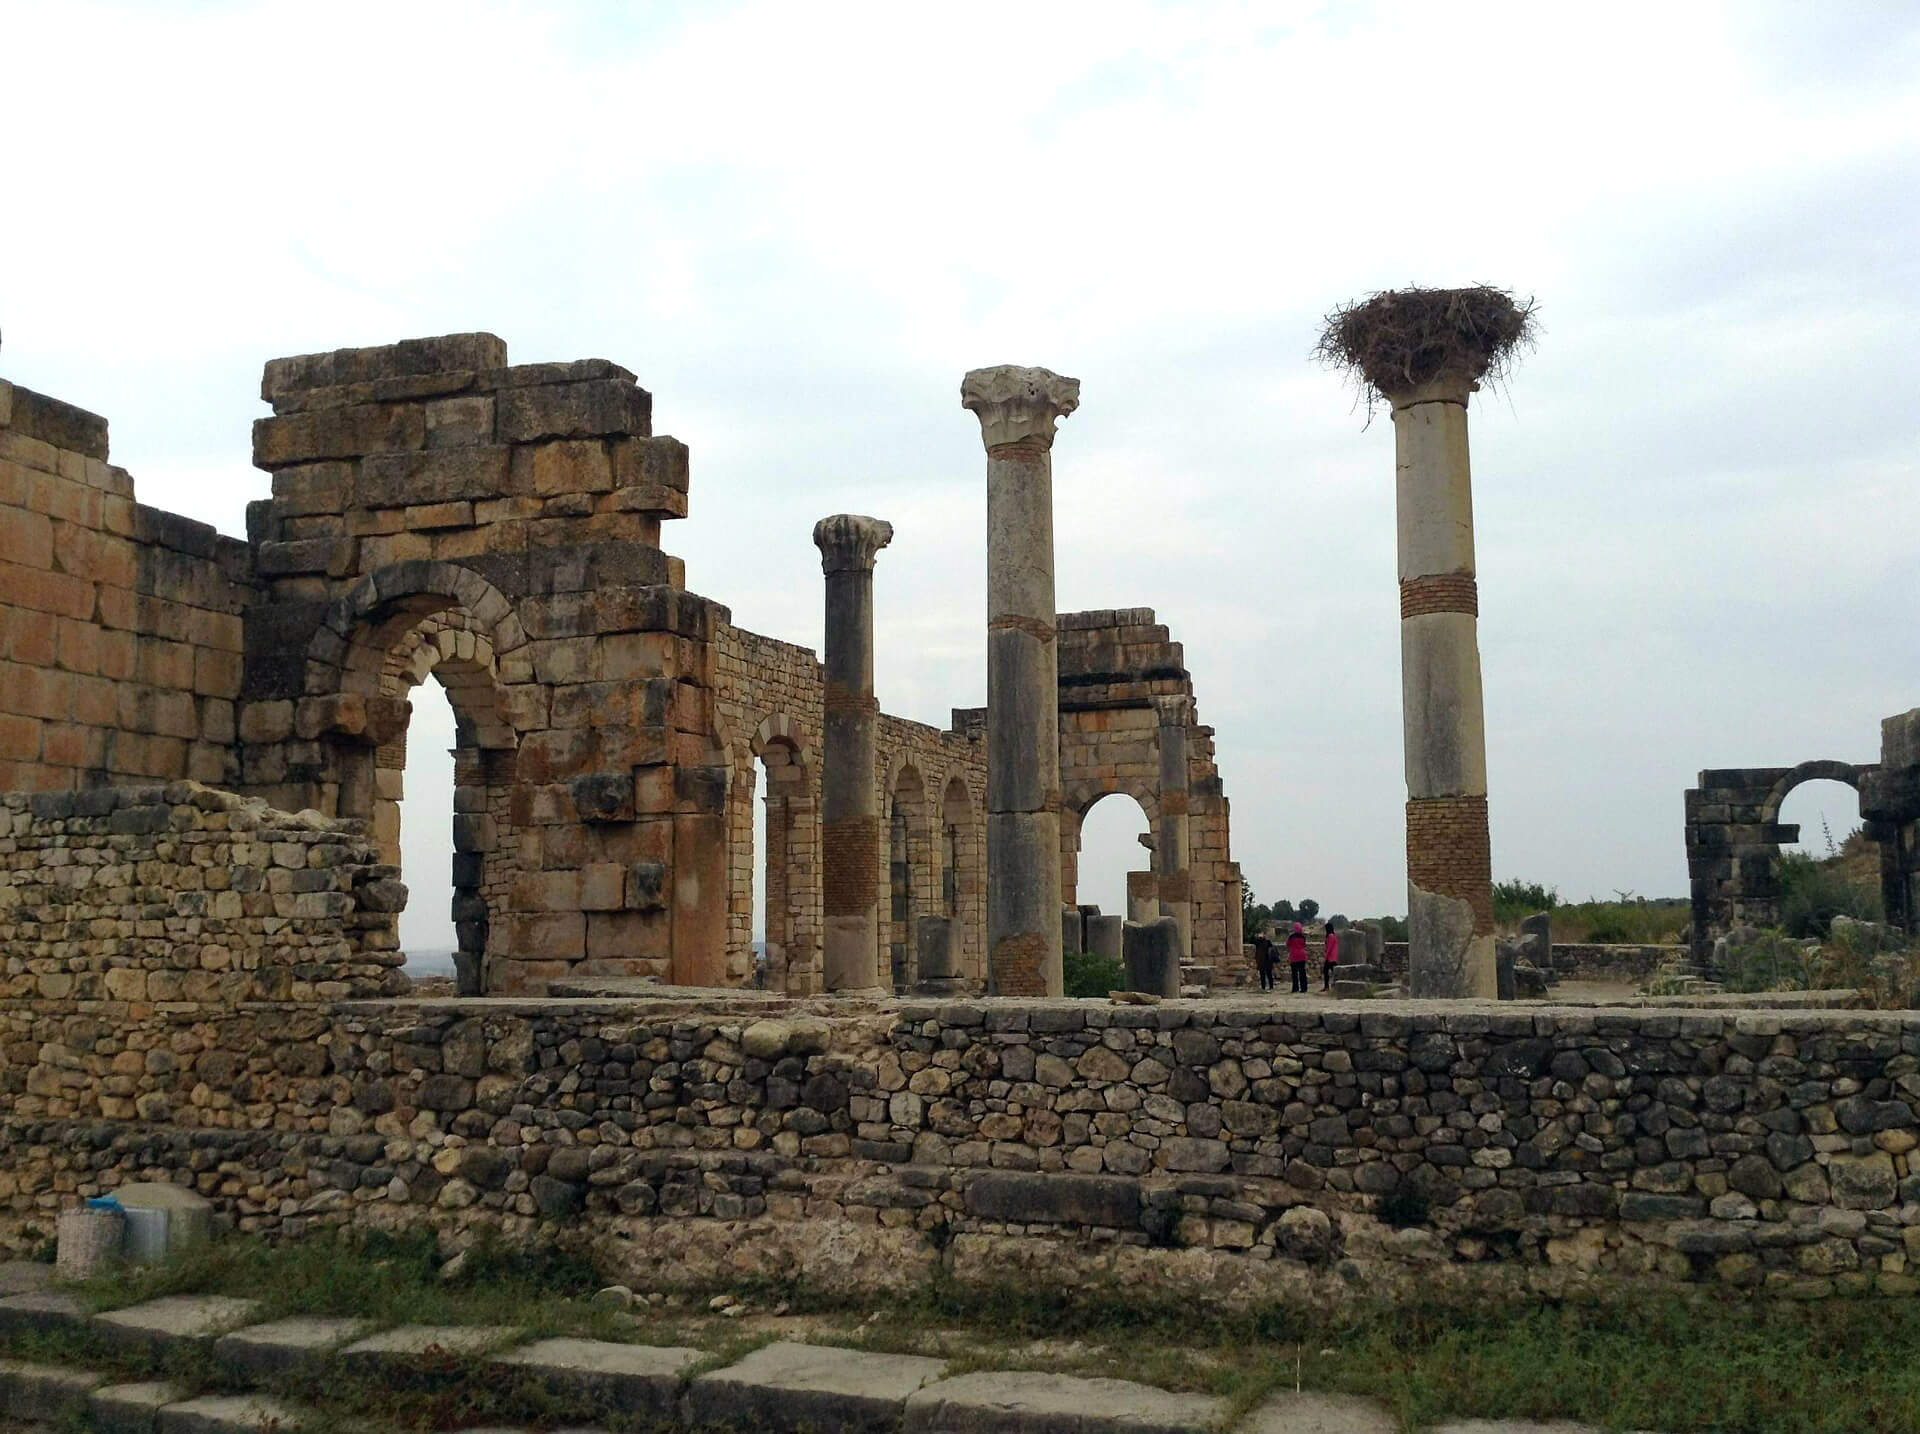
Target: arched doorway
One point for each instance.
(962, 890)
(785, 919)
(1107, 846)
(909, 869)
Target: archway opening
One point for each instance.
(1110, 848)
(908, 873)
(414, 783)
(1833, 868)
(1828, 815)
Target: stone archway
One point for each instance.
(909, 872)
(963, 890)
(788, 846)
(448, 628)
(1076, 802)
(1734, 836)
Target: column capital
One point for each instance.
(1173, 711)
(849, 542)
(1015, 404)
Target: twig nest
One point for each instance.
(1400, 340)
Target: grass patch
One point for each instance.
(1675, 1361)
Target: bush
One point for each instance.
(1813, 892)
(1085, 974)
(1514, 901)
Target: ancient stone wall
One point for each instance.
(113, 899)
(770, 696)
(1120, 675)
(1225, 1150)
(120, 625)
(435, 511)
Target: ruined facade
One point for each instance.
(436, 512)
(1734, 833)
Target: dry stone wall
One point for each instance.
(1221, 1150)
(114, 899)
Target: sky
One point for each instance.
(799, 225)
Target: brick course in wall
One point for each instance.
(1448, 852)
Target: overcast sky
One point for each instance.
(1696, 503)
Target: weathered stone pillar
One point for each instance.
(1174, 846)
(1449, 857)
(849, 810)
(1425, 351)
(1017, 409)
(1105, 936)
(1152, 955)
(1143, 896)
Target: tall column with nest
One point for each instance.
(1424, 351)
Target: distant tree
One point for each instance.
(1338, 923)
(1252, 914)
(1282, 910)
(1306, 910)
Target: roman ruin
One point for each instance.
(1425, 351)
(1734, 834)
(849, 819)
(627, 759)
(1017, 409)
(203, 748)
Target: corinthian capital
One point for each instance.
(849, 542)
(1014, 403)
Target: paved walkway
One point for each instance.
(786, 1387)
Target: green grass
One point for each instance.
(1673, 1361)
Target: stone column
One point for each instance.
(1017, 409)
(1174, 845)
(1449, 860)
(1143, 896)
(849, 811)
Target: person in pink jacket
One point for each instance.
(1331, 960)
(1297, 958)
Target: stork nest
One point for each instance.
(1401, 339)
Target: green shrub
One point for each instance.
(1514, 901)
(1088, 975)
(1813, 892)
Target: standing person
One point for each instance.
(1297, 958)
(1263, 958)
(1331, 959)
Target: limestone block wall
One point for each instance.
(120, 625)
(1115, 666)
(437, 512)
(770, 696)
(113, 899)
(1227, 1151)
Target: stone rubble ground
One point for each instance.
(782, 1386)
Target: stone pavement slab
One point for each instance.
(128, 1408)
(791, 1387)
(1304, 1412)
(422, 1354)
(175, 1319)
(19, 1277)
(1031, 1402)
(281, 1346)
(43, 1391)
(631, 1378)
(42, 1310)
(232, 1414)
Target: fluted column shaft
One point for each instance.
(1018, 408)
(849, 809)
(1449, 858)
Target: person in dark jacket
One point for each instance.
(1297, 958)
(1330, 962)
(1263, 958)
